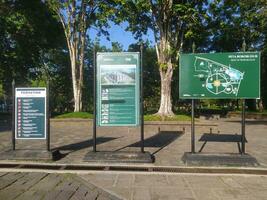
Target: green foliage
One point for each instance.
(27, 29)
(116, 47)
(174, 118)
(85, 115)
(151, 76)
(82, 115)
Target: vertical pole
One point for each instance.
(47, 116)
(193, 126)
(243, 147)
(141, 98)
(13, 115)
(95, 99)
(243, 122)
(193, 115)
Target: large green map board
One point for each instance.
(30, 113)
(118, 91)
(220, 76)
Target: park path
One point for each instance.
(45, 186)
(143, 186)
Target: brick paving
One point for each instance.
(25, 186)
(74, 139)
(133, 186)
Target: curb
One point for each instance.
(181, 123)
(96, 167)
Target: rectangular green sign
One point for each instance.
(30, 113)
(220, 75)
(118, 90)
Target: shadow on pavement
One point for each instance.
(160, 140)
(249, 122)
(84, 144)
(5, 126)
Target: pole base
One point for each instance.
(216, 159)
(32, 154)
(119, 157)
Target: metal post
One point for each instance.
(47, 116)
(193, 115)
(13, 116)
(243, 144)
(243, 122)
(95, 99)
(193, 126)
(141, 98)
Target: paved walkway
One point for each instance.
(133, 186)
(130, 186)
(35, 186)
(74, 139)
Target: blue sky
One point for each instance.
(118, 34)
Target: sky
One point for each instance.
(118, 34)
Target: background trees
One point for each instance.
(42, 40)
(173, 23)
(27, 31)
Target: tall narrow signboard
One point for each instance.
(30, 113)
(118, 89)
(220, 75)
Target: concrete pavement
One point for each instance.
(74, 139)
(141, 186)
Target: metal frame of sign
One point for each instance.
(243, 121)
(100, 85)
(45, 113)
(218, 56)
(139, 89)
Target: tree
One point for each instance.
(173, 23)
(151, 77)
(76, 17)
(116, 47)
(27, 28)
(236, 21)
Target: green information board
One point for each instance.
(30, 113)
(118, 91)
(220, 76)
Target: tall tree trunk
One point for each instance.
(166, 71)
(74, 26)
(165, 108)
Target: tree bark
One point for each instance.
(165, 108)
(166, 72)
(74, 26)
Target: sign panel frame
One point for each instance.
(224, 77)
(118, 60)
(42, 94)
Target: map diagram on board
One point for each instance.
(216, 77)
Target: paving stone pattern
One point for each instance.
(182, 187)
(74, 140)
(35, 186)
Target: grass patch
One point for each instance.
(252, 112)
(86, 115)
(82, 115)
(174, 118)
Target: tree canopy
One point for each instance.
(41, 40)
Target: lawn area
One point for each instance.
(85, 115)
(179, 117)
(82, 115)
(253, 112)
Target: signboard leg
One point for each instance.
(141, 98)
(243, 147)
(47, 118)
(13, 116)
(193, 126)
(94, 121)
